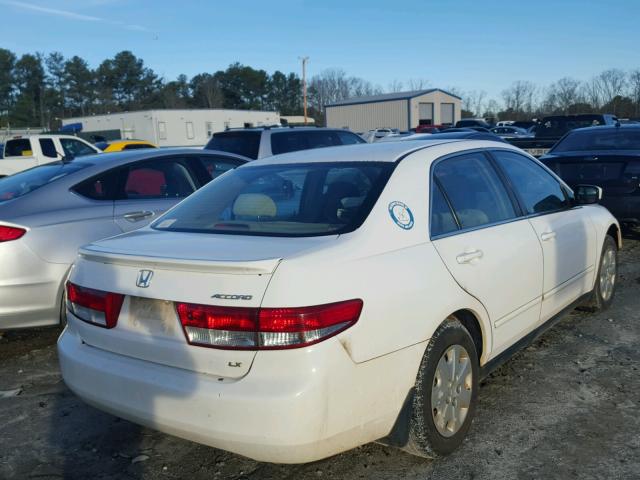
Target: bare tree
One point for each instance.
(592, 93)
(418, 84)
(634, 89)
(519, 97)
(333, 85)
(395, 86)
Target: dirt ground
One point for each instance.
(566, 407)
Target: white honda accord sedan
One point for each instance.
(308, 303)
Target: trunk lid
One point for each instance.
(208, 269)
(617, 173)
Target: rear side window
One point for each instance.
(48, 148)
(474, 190)
(245, 143)
(19, 147)
(442, 219)
(538, 190)
(102, 187)
(292, 141)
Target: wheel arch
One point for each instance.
(478, 331)
(616, 234)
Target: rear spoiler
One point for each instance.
(251, 267)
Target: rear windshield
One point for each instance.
(608, 139)
(244, 143)
(21, 183)
(283, 200)
(20, 147)
(292, 141)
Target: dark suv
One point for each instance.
(607, 156)
(266, 141)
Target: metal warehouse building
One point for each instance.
(168, 128)
(402, 110)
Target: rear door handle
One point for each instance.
(135, 216)
(546, 236)
(467, 257)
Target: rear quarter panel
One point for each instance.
(406, 289)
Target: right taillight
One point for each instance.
(265, 328)
(11, 233)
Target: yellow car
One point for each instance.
(121, 145)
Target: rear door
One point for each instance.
(567, 235)
(487, 245)
(149, 188)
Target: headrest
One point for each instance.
(254, 205)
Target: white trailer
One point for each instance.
(170, 128)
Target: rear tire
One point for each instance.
(606, 277)
(446, 392)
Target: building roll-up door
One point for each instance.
(425, 112)
(446, 113)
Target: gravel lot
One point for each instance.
(566, 407)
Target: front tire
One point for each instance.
(446, 392)
(606, 278)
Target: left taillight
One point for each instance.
(11, 233)
(94, 306)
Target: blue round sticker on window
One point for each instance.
(401, 214)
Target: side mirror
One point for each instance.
(587, 194)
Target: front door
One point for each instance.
(565, 233)
(487, 246)
(150, 188)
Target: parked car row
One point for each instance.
(187, 278)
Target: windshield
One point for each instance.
(21, 183)
(607, 139)
(245, 143)
(283, 200)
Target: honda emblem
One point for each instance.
(144, 278)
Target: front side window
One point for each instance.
(474, 190)
(75, 148)
(537, 189)
(283, 200)
(48, 148)
(216, 166)
(158, 179)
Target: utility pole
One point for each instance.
(304, 86)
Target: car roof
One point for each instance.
(113, 159)
(601, 128)
(279, 129)
(368, 152)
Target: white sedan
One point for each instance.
(308, 303)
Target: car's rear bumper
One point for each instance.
(30, 288)
(293, 406)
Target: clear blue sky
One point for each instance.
(469, 44)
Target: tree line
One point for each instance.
(40, 90)
(612, 91)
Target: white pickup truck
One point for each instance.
(29, 151)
